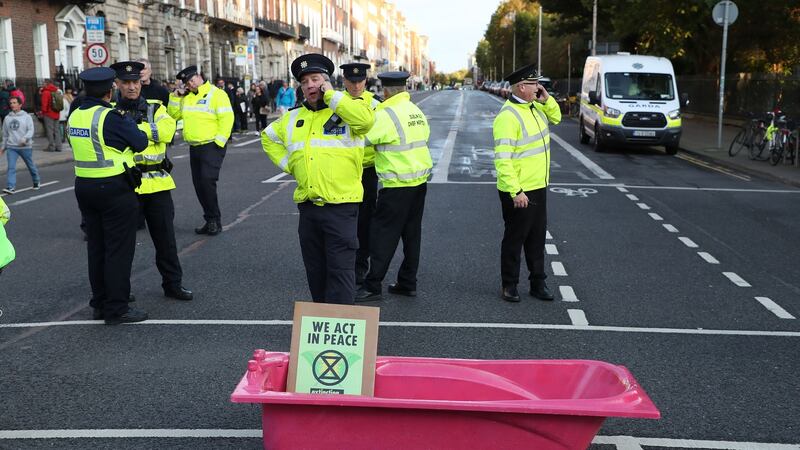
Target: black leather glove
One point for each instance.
(167, 165)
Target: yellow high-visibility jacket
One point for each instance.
(400, 136)
(159, 128)
(207, 115)
(7, 253)
(522, 145)
(369, 150)
(326, 164)
(93, 158)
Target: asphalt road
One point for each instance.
(683, 272)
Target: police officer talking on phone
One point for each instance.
(103, 141)
(522, 161)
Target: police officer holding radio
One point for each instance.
(155, 201)
(103, 142)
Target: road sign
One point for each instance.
(241, 55)
(95, 30)
(719, 12)
(97, 54)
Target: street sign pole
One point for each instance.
(724, 13)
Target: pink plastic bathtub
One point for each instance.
(433, 403)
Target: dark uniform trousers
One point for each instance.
(109, 208)
(398, 215)
(206, 161)
(159, 211)
(524, 229)
(369, 180)
(328, 242)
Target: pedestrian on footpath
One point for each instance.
(7, 253)
(260, 105)
(104, 141)
(403, 164)
(240, 107)
(52, 104)
(207, 123)
(522, 162)
(355, 80)
(155, 200)
(18, 143)
(326, 160)
(286, 98)
(69, 97)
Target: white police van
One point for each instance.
(630, 100)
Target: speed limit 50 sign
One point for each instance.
(97, 54)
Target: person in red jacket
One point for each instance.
(50, 117)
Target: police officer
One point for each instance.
(522, 161)
(355, 82)
(103, 142)
(403, 164)
(326, 158)
(155, 201)
(207, 123)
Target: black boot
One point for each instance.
(203, 229)
(539, 290)
(133, 315)
(214, 228)
(178, 293)
(365, 295)
(510, 294)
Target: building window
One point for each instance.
(7, 69)
(124, 54)
(145, 51)
(40, 51)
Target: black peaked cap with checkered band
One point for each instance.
(312, 63)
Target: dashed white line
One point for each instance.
(443, 165)
(558, 269)
(39, 197)
(621, 189)
(670, 228)
(29, 188)
(588, 163)
(550, 249)
(242, 144)
(708, 258)
(774, 307)
(688, 242)
(655, 216)
(275, 178)
(578, 317)
(736, 279)
(643, 206)
(548, 235)
(620, 441)
(567, 294)
(632, 197)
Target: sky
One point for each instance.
(453, 27)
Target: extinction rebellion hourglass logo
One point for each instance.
(330, 368)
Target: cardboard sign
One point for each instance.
(333, 349)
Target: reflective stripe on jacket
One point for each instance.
(207, 115)
(93, 158)
(159, 128)
(326, 164)
(400, 136)
(522, 145)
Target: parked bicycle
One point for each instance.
(783, 146)
(751, 136)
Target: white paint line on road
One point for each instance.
(621, 189)
(736, 279)
(688, 242)
(632, 197)
(690, 443)
(474, 325)
(242, 144)
(708, 258)
(643, 206)
(558, 269)
(179, 156)
(39, 197)
(567, 294)
(29, 188)
(423, 100)
(578, 317)
(655, 216)
(774, 307)
(443, 165)
(130, 433)
(550, 249)
(626, 443)
(588, 163)
(548, 235)
(686, 188)
(275, 178)
(670, 228)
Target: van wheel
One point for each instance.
(582, 132)
(596, 144)
(672, 149)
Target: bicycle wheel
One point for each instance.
(776, 155)
(738, 142)
(758, 143)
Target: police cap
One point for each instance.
(187, 73)
(393, 78)
(311, 63)
(525, 73)
(99, 77)
(128, 70)
(355, 71)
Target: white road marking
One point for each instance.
(736, 279)
(632, 197)
(567, 294)
(774, 307)
(588, 163)
(643, 206)
(242, 144)
(550, 249)
(687, 242)
(686, 188)
(558, 269)
(621, 189)
(179, 156)
(655, 216)
(423, 100)
(275, 178)
(577, 317)
(690, 443)
(548, 235)
(670, 228)
(29, 188)
(707, 256)
(443, 165)
(39, 197)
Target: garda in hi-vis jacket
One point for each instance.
(207, 115)
(327, 164)
(6, 249)
(400, 137)
(369, 150)
(93, 158)
(159, 128)
(522, 145)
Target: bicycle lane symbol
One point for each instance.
(569, 192)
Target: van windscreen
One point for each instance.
(639, 86)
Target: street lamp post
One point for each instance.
(594, 28)
(512, 16)
(539, 58)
